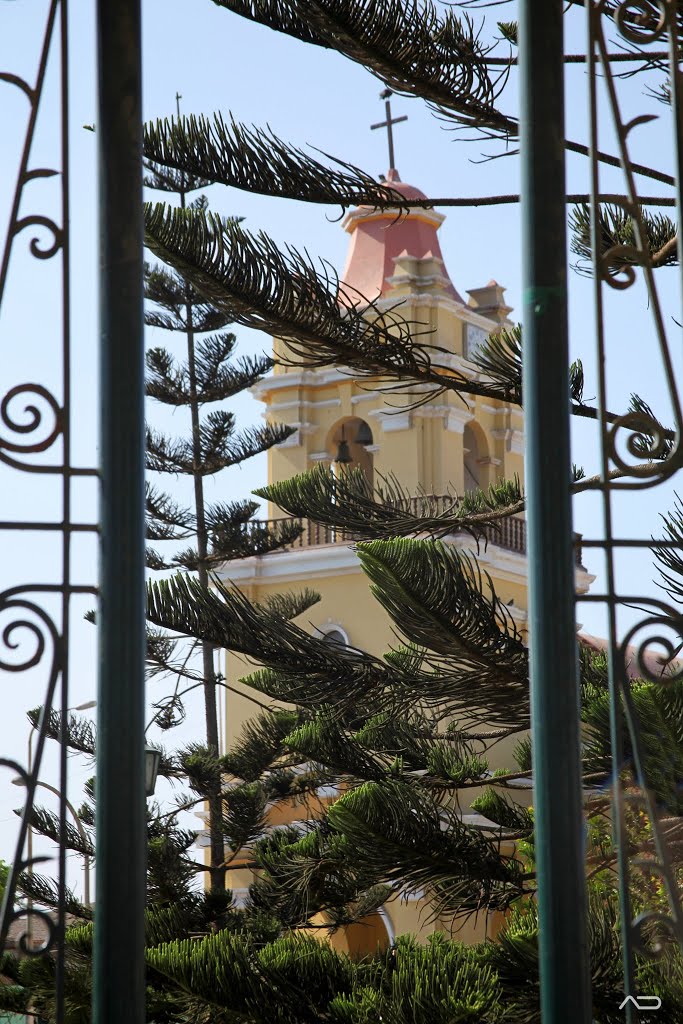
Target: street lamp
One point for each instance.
(152, 761)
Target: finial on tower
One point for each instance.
(384, 95)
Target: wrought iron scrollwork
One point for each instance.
(35, 431)
(661, 627)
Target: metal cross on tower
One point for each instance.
(388, 124)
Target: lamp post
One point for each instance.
(79, 826)
(29, 836)
(152, 761)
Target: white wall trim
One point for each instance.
(301, 379)
(391, 422)
(458, 419)
(287, 566)
(324, 560)
(431, 411)
(514, 439)
(305, 405)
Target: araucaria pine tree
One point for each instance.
(205, 376)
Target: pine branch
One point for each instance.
(154, 560)
(289, 605)
(618, 241)
(305, 875)
(325, 740)
(232, 539)
(502, 811)
(670, 567)
(171, 292)
(441, 601)
(217, 381)
(256, 160)
(407, 839)
(260, 744)
(79, 733)
(499, 361)
(166, 381)
(349, 503)
(224, 617)
(47, 824)
(321, 323)
(43, 890)
(219, 447)
(165, 518)
(244, 815)
(168, 179)
(414, 49)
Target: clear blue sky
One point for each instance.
(219, 62)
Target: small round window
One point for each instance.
(335, 636)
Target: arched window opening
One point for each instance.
(472, 454)
(333, 634)
(350, 444)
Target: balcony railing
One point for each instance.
(509, 534)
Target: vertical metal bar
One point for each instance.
(615, 663)
(66, 509)
(119, 991)
(563, 953)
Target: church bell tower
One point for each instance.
(450, 444)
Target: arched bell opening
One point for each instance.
(350, 444)
(475, 452)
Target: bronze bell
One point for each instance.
(343, 455)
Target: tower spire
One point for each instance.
(388, 123)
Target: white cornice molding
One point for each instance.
(305, 405)
(514, 439)
(583, 580)
(325, 560)
(470, 316)
(431, 411)
(295, 439)
(372, 394)
(301, 379)
(391, 422)
(432, 300)
(312, 562)
(458, 419)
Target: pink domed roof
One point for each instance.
(378, 237)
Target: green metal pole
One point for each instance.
(119, 989)
(564, 969)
